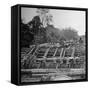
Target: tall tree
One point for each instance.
(38, 30)
(35, 25)
(26, 36)
(45, 16)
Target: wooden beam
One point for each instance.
(64, 52)
(55, 52)
(46, 52)
(26, 56)
(35, 50)
(73, 51)
(31, 51)
(61, 52)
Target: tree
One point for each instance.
(36, 28)
(35, 25)
(49, 19)
(45, 16)
(55, 35)
(70, 33)
(26, 36)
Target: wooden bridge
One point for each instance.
(52, 60)
(52, 55)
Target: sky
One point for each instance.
(61, 18)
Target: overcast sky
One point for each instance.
(61, 18)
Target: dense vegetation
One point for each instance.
(39, 31)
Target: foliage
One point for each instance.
(56, 35)
(26, 36)
(70, 33)
(39, 30)
(45, 16)
(35, 25)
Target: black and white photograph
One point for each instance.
(44, 44)
(53, 44)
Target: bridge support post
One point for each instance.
(73, 52)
